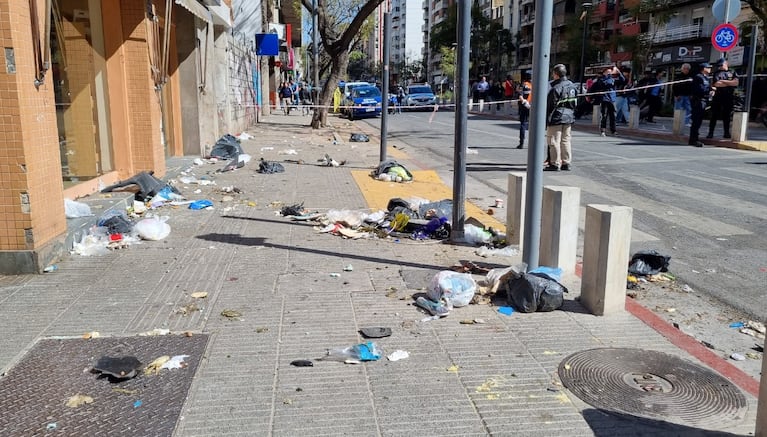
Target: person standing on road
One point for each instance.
(700, 90)
(482, 89)
(286, 96)
(606, 84)
(623, 98)
(724, 83)
(524, 101)
(654, 100)
(682, 90)
(560, 109)
(508, 90)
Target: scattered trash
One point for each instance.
(467, 322)
(437, 309)
(231, 314)
(75, 401)
(124, 391)
(687, 289)
(227, 147)
(396, 172)
(287, 152)
(188, 309)
(293, 210)
(137, 404)
(754, 329)
(398, 355)
(327, 161)
(73, 209)
(348, 268)
(498, 203)
(244, 136)
(452, 369)
(456, 288)
(737, 325)
(648, 262)
(359, 138)
(355, 354)
(153, 228)
(302, 363)
(270, 167)
(199, 294)
(707, 344)
(737, 357)
(536, 290)
(51, 426)
(240, 161)
(753, 355)
(335, 275)
(506, 310)
(175, 362)
(155, 332)
(116, 222)
(200, 204)
(148, 185)
(476, 235)
(51, 268)
(118, 367)
(92, 334)
(375, 332)
(670, 310)
(198, 161)
(154, 367)
(486, 251)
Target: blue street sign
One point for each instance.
(724, 37)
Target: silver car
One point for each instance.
(420, 97)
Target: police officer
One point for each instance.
(725, 83)
(701, 90)
(524, 101)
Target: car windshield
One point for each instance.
(366, 91)
(419, 89)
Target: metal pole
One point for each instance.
(385, 86)
(461, 124)
(582, 73)
(534, 196)
(316, 53)
(726, 15)
(750, 79)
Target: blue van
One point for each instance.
(365, 101)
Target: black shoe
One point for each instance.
(709, 136)
(727, 136)
(697, 144)
(551, 168)
(565, 167)
(520, 146)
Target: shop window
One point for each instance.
(80, 88)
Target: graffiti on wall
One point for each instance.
(242, 98)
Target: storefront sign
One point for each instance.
(680, 54)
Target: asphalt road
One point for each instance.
(706, 208)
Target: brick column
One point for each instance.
(32, 221)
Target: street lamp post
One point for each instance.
(586, 8)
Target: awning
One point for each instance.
(221, 15)
(196, 9)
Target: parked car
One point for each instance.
(365, 101)
(420, 96)
(346, 88)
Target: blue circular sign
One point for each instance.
(724, 37)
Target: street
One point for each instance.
(703, 207)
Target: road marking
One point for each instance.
(668, 213)
(748, 171)
(733, 183)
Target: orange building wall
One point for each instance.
(31, 189)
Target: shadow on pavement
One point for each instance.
(609, 424)
(491, 166)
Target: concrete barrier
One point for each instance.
(596, 113)
(515, 208)
(761, 411)
(559, 227)
(634, 117)
(739, 126)
(678, 124)
(607, 239)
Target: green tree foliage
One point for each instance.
(339, 23)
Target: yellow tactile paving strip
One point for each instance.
(426, 184)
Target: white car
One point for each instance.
(420, 96)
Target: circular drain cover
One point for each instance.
(652, 385)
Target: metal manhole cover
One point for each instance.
(34, 393)
(653, 385)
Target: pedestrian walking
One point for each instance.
(400, 99)
(524, 100)
(682, 90)
(306, 99)
(482, 89)
(560, 110)
(624, 97)
(724, 84)
(654, 99)
(700, 90)
(606, 84)
(508, 90)
(286, 97)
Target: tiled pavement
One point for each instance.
(496, 378)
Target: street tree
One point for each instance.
(339, 23)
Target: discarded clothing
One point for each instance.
(116, 222)
(648, 262)
(148, 185)
(227, 147)
(393, 169)
(269, 167)
(359, 138)
(535, 291)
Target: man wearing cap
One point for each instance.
(525, 99)
(700, 90)
(724, 83)
(606, 84)
(560, 116)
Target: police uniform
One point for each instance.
(526, 97)
(701, 88)
(722, 102)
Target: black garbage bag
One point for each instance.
(148, 185)
(116, 222)
(227, 147)
(648, 262)
(270, 167)
(533, 292)
(359, 138)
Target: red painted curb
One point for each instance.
(689, 344)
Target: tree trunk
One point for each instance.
(337, 70)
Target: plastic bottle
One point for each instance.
(51, 268)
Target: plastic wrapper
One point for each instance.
(73, 209)
(153, 228)
(354, 354)
(457, 289)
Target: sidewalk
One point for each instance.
(499, 377)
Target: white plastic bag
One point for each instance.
(456, 288)
(74, 209)
(153, 228)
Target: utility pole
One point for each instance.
(461, 121)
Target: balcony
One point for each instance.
(680, 33)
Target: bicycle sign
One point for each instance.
(724, 37)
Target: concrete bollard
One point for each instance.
(559, 227)
(607, 239)
(678, 124)
(761, 410)
(515, 208)
(739, 126)
(634, 112)
(596, 113)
